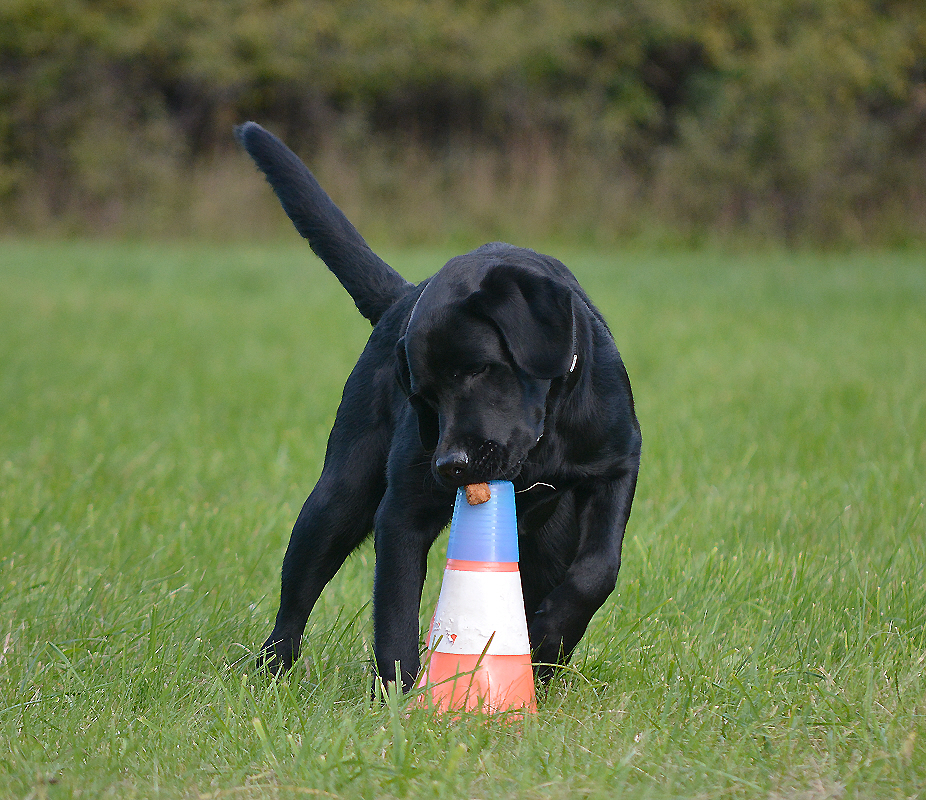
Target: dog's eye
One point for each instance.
(470, 372)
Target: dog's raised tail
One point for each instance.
(370, 281)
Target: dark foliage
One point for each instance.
(802, 119)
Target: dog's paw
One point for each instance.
(547, 651)
(277, 656)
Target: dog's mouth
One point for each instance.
(478, 463)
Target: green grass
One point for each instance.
(165, 411)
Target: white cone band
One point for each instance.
(474, 605)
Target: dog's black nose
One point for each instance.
(452, 466)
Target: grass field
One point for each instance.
(164, 413)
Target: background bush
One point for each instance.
(795, 119)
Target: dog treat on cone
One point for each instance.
(478, 493)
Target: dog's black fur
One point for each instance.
(497, 367)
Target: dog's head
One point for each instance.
(488, 335)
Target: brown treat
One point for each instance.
(478, 493)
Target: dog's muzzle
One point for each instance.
(459, 466)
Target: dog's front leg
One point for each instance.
(406, 526)
(602, 510)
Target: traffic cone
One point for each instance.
(478, 650)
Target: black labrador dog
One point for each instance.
(497, 367)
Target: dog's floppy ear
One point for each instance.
(428, 423)
(535, 316)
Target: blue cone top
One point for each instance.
(487, 532)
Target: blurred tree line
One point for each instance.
(796, 119)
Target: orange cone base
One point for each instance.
(478, 683)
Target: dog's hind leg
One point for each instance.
(335, 519)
